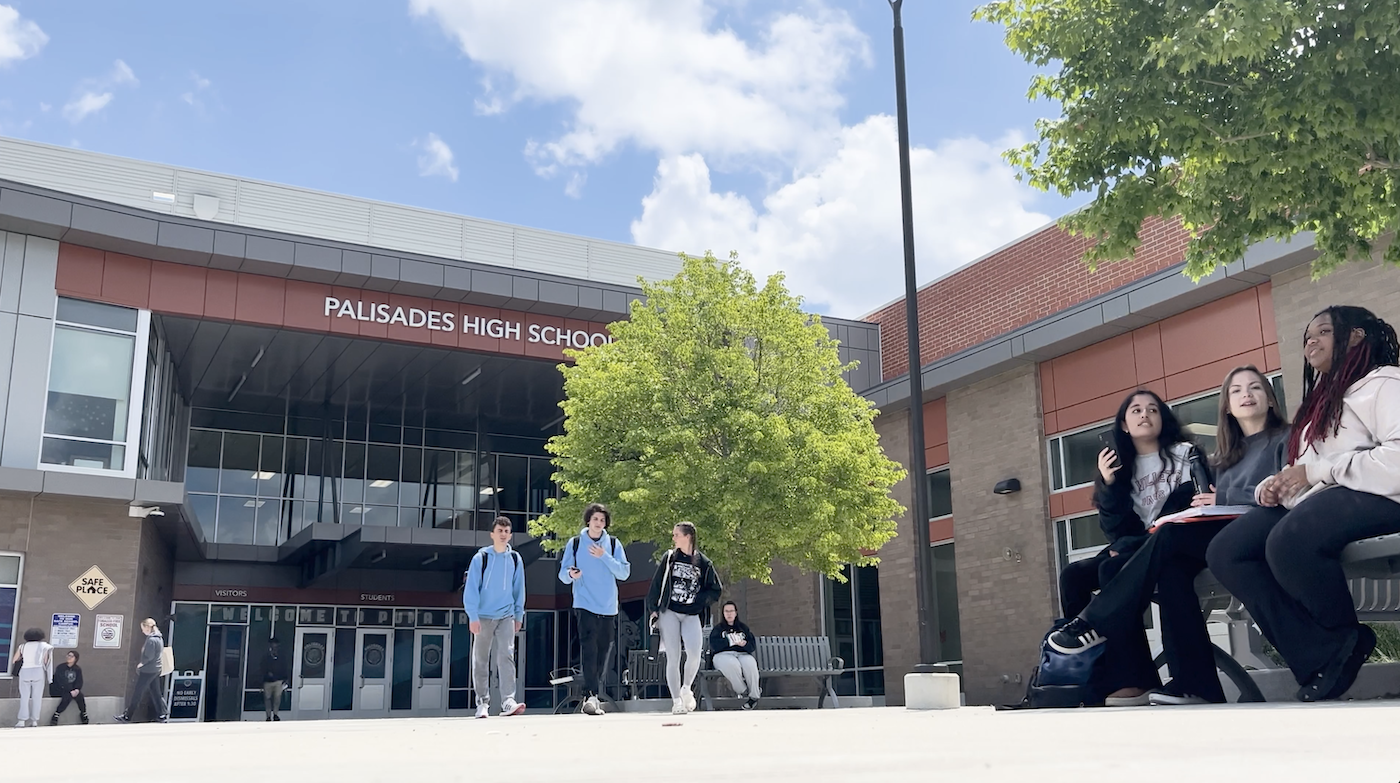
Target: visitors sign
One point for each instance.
(63, 631)
(93, 587)
(108, 633)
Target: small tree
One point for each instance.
(723, 404)
(1248, 119)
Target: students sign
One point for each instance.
(93, 587)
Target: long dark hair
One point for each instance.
(1320, 415)
(688, 528)
(1171, 434)
(1229, 438)
(737, 620)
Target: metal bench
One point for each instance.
(778, 656)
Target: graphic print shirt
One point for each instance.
(684, 583)
(1153, 481)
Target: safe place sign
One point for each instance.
(93, 587)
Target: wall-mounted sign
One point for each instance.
(440, 321)
(107, 634)
(63, 632)
(93, 587)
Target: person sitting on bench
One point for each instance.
(733, 647)
(1342, 485)
(1250, 442)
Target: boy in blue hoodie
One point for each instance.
(494, 598)
(594, 562)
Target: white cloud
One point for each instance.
(88, 103)
(436, 160)
(44, 107)
(576, 182)
(19, 38)
(192, 97)
(844, 215)
(659, 74)
(122, 74)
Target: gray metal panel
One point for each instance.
(419, 278)
(184, 244)
(383, 274)
(33, 214)
(456, 282)
(229, 249)
(315, 263)
(84, 485)
(21, 481)
(484, 242)
(524, 292)
(163, 493)
(355, 268)
(7, 353)
(265, 256)
(617, 302)
(493, 285)
(1062, 329)
(24, 415)
(590, 298)
(12, 272)
(37, 296)
(109, 230)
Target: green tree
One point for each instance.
(722, 403)
(1247, 119)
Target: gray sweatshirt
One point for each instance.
(150, 654)
(1264, 455)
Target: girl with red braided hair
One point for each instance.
(1342, 484)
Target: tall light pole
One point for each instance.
(918, 473)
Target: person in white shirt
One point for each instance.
(1342, 484)
(35, 671)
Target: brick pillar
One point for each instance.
(1005, 563)
(899, 620)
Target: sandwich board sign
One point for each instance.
(93, 587)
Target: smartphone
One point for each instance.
(1106, 440)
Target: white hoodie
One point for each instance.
(1364, 454)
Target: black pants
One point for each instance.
(146, 685)
(1284, 566)
(1166, 565)
(1126, 661)
(68, 698)
(595, 638)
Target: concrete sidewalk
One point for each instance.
(1353, 741)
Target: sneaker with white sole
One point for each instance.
(688, 696)
(1165, 696)
(483, 710)
(511, 707)
(1140, 700)
(678, 707)
(750, 702)
(591, 706)
(1075, 637)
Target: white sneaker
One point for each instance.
(483, 710)
(688, 695)
(591, 706)
(511, 708)
(19, 725)
(678, 707)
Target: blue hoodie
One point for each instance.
(501, 593)
(596, 588)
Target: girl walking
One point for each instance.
(683, 588)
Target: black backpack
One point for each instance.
(514, 556)
(612, 540)
(1061, 680)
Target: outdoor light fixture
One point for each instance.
(381, 483)
(263, 475)
(254, 504)
(471, 376)
(380, 555)
(1007, 487)
(238, 386)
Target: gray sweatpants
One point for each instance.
(498, 635)
(741, 669)
(677, 629)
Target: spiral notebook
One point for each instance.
(1202, 514)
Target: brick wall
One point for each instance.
(1006, 600)
(898, 597)
(1297, 298)
(61, 539)
(1036, 277)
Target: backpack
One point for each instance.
(514, 556)
(1061, 680)
(611, 539)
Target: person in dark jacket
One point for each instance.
(68, 685)
(732, 648)
(681, 592)
(1251, 439)
(147, 674)
(277, 675)
(1145, 474)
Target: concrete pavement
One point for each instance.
(1345, 742)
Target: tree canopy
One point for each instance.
(1247, 119)
(722, 403)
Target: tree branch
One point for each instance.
(1374, 163)
(1223, 139)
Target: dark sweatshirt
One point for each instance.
(276, 668)
(685, 584)
(1265, 454)
(723, 635)
(1120, 522)
(150, 654)
(68, 678)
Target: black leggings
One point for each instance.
(1285, 567)
(67, 698)
(1126, 661)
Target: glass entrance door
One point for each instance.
(372, 669)
(224, 673)
(312, 679)
(430, 673)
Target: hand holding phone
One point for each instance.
(1109, 464)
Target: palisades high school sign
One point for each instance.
(440, 321)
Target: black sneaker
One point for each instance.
(121, 718)
(84, 718)
(1075, 637)
(276, 717)
(54, 720)
(1170, 695)
(750, 703)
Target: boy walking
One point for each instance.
(494, 599)
(594, 562)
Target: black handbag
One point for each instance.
(55, 690)
(16, 665)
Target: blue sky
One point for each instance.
(762, 127)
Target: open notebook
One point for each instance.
(1202, 514)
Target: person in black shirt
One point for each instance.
(732, 648)
(682, 590)
(277, 674)
(68, 687)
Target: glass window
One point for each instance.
(237, 518)
(382, 475)
(541, 484)
(512, 478)
(852, 611)
(1199, 417)
(238, 474)
(202, 466)
(1081, 456)
(940, 494)
(89, 398)
(410, 488)
(206, 510)
(76, 311)
(945, 580)
(9, 605)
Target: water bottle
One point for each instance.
(1200, 474)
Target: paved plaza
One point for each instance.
(1343, 742)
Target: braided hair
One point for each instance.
(1320, 415)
